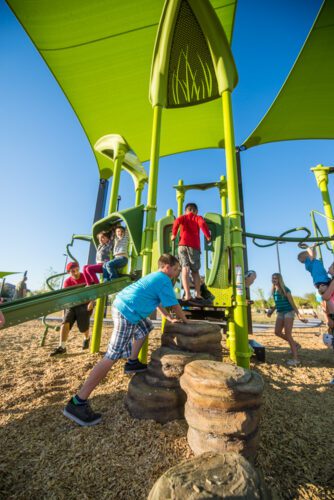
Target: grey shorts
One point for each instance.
(287, 314)
(190, 257)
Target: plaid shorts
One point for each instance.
(120, 342)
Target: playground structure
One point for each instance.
(173, 64)
(224, 259)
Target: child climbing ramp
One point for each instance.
(130, 312)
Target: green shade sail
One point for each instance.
(100, 52)
(3, 274)
(304, 107)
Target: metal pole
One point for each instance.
(151, 204)
(62, 279)
(278, 259)
(223, 196)
(99, 214)
(180, 198)
(244, 239)
(239, 348)
(321, 176)
(118, 202)
(151, 207)
(100, 303)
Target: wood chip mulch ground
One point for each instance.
(44, 455)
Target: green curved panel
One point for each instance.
(304, 107)
(100, 53)
(213, 274)
(164, 232)
(133, 219)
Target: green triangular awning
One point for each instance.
(304, 107)
(100, 52)
(3, 274)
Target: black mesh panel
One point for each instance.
(191, 75)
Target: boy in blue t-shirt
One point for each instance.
(131, 327)
(314, 266)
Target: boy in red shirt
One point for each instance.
(189, 247)
(80, 314)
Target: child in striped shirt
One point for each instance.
(120, 253)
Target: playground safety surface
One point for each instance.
(43, 455)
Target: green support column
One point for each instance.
(223, 195)
(180, 198)
(151, 206)
(139, 190)
(321, 176)
(239, 348)
(100, 303)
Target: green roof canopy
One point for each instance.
(100, 52)
(304, 107)
(3, 274)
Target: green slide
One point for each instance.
(22, 310)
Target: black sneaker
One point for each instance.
(85, 344)
(134, 367)
(81, 414)
(58, 350)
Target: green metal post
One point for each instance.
(100, 303)
(239, 348)
(180, 198)
(321, 176)
(139, 191)
(223, 195)
(151, 207)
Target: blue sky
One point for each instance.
(49, 176)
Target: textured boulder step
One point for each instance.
(210, 343)
(169, 363)
(241, 423)
(161, 381)
(213, 378)
(224, 400)
(194, 328)
(201, 442)
(143, 394)
(211, 475)
(162, 415)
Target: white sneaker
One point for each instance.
(293, 362)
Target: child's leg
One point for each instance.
(96, 375)
(197, 283)
(90, 271)
(113, 265)
(185, 282)
(288, 324)
(279, 325)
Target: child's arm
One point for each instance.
(311, 252)
(270, 311)
(175, 228)
(178, 312)
(204, 227)
(290, 299)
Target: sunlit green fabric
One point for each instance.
(304, 107)
(7, 273)
(100, 53)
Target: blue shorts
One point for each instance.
(120, 342)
